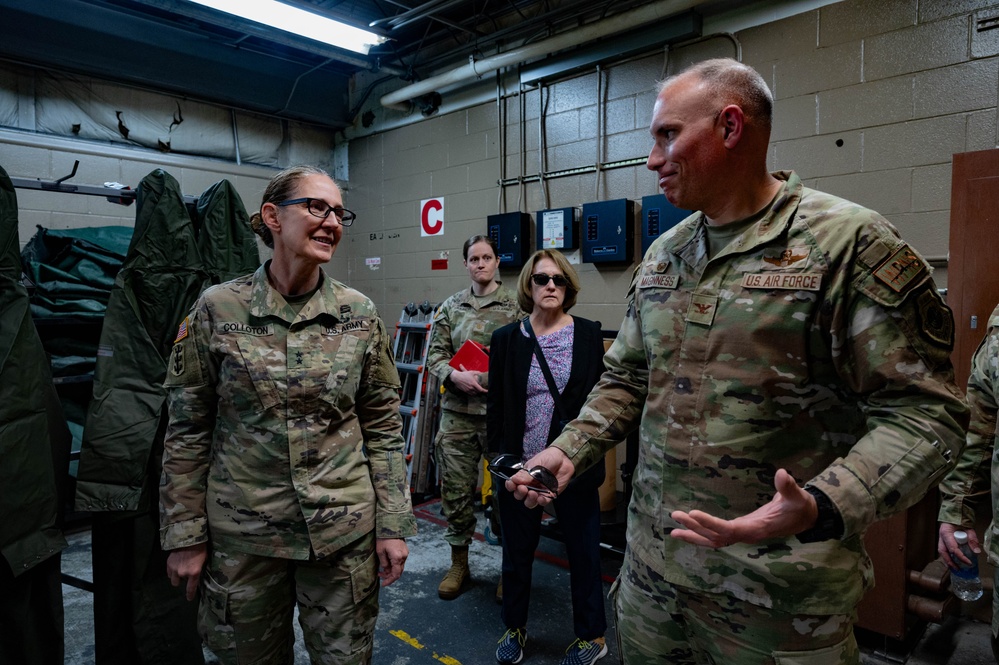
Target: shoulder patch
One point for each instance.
(177, 365)
(874, 254)
(935, 318)
(182, 331)
(900, 269)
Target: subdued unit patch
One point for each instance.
(900, 269)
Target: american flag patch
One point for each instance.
(182, 331)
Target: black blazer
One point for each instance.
(510, 355)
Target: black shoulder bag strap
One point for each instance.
(547, 372)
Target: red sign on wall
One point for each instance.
(432, 217)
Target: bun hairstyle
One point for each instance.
(281, 188)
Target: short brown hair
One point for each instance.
(743, 84)
(524, 298)
(279, 189)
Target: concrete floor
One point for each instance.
(415, 627)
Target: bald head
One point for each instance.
(728, 81)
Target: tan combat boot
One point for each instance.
(457, 577)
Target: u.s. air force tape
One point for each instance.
(796, 281)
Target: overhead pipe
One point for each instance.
(475, 69)
(415, 12)
(425, 11)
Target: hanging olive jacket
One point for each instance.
(34, 440)
(227, 245)
(167, 267)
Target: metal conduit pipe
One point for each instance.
(542, 139)
(523, 144)
(415, 13)
(501, 122)
(399, 21)
(600, 138)
(594, 31)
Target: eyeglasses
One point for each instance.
(506, 466)
(541, 279)
(321, 209)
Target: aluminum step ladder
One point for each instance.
(410, 347)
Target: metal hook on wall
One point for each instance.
(57, 184)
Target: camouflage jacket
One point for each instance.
(975, 472)
(815, 342)
(461, 318)
(284, 430)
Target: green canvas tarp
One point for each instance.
(72, 270)
(70, 273)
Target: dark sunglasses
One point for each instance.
(506, 466)
(541, 279)
(321, 209)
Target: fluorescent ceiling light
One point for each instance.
(299, 22)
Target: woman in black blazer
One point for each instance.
(522, 418)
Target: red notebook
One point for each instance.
(473, 356)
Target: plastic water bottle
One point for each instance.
(964, 581)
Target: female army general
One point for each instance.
(283, 472)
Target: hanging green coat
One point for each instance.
(167, 267)
(159, 279)
(228, 246)
(34, 440)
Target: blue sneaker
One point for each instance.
(582, 652)
(511, 646)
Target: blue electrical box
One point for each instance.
(658, 217)
(558, 228)
(512, 233)
(607, 233)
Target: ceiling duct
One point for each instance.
(674, 30)
(646, 16)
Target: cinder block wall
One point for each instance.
(873, 98)
(50, 158)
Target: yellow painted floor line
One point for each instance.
(415, 643)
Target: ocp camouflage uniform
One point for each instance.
(285, 443)
(461, 439)
(976, 472)
(815, 342)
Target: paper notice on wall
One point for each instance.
(553, 229)
(373, 262)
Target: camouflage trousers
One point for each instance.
(995, 612)
(995, 615)
(248, 601)
(659, 622)
(460, 447)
